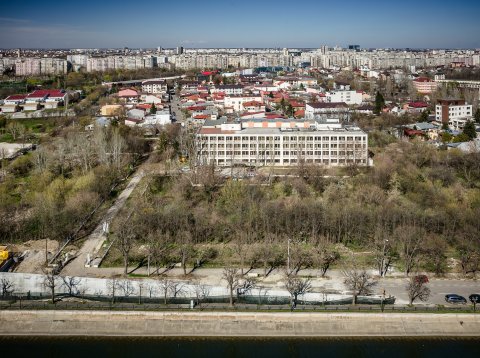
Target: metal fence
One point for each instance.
(45, 304)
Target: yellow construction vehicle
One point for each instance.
(4, 254)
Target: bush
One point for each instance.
(21, 166)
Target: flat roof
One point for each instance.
(265, 131)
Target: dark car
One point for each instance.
(454, 298)
(421, 279)
(474, 298)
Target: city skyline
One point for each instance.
(221, 24)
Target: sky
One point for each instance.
(240, 23)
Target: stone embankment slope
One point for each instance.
(236, 324)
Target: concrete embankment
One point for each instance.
(236, 324)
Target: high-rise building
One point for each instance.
(179, 50)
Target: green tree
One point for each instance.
(469, 130)
(379, 103)
(477, 115)
(424, 115)
(462, 137)
(446, 137)
(290, 111)
(153, 109)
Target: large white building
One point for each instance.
(229, 144)
(348, 97)
(454, 112)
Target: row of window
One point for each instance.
(285, 138)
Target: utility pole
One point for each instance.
(288, 256)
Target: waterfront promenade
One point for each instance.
(237, 324)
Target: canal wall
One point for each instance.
(236, 324)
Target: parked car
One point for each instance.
(474, 298)
(421, 279)
(454, 298)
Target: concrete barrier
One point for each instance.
(232, 324)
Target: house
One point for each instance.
(236, 101)
(110, 110)
(253, 106)
(148, 98)
(154, 86)
(12, 103)
(319, 108)
(228, 89)
(416, 107)
(129, 95)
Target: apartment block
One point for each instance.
(154, 86)
(449, 111)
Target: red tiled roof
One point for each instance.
(252, 103)
(46, 93)
(16, 97)
(422, 79)
(300, 113)
(201, 116)
(417, 104)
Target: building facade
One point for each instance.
(449, 110)
(231, 145)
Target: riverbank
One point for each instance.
(236, 324)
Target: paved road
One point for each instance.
(394, 286)
(95, 240)
(175, 105)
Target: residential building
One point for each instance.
(425, 85)
(349, 97)
(451, 111)
(154, 86)
(235, 102)
(228, 89)
(325, 109)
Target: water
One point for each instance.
(72, 347)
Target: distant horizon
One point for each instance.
(219, 24)
(239, 48)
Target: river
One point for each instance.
(72, 347)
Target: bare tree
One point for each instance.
(185, 249)
(410, 239)
(51, 281)
(201, 292)
(324, 258)
(71, 283)
(126, 287)
(231, 277)
(164, 285)
(177, 288)
(359, 282)
(296, 286)
(417, 289)
(7, 287)
(300, 257)
(112, 288)
(125, 239)
(384, 251)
